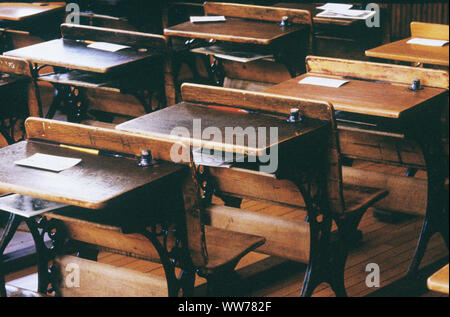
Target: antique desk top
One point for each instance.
(76, 55)
(94, 182)
(234, 30)
(161, 124)
(361, 96)
(401, 51)
(312, 7)
(16, 11)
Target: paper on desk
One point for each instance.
(336, 7)
(49, 162)
(109, 47)
(427, 42)
(325, 82)
(207, 157)
(347, 14)
(27, 206)
(205, 19)
(231, 54)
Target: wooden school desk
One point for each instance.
(341, 38)
(418, 54)
(79, 67)
(101, 187)
(18, 96)
(379, 114)
(16, 11)
(299, 147)
(249, 28)
(118, 204)
(23, 24)
(438, 282)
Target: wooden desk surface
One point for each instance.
(91, 184)
(161, 123)
(76, 55)
(312, 7)
(359, 96)
(401, 51)
(438, 282)
(234, 30)
(16, 11)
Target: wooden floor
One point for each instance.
(391, 246)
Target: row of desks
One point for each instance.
(104, 182)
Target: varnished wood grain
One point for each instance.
(106, 236)
(163, 123)
(287, 238)
(97, 138)
(91, 184)
(401, 51)
(234, 30)
(15, 11)
(358, 96)
(103, 280)
(377, 71)
(259, 101)
(256, 12)
(76, 55)
(430, 30)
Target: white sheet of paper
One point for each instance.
(232, 55)
(109, 47)
(427, 42)
(206, 157)
(205, 19)
(325, 82)
(27, 206)
(49, 162)
(335, 7)
(347, 14)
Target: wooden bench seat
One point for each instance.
(357, 197)
(226, 248)
(287, 238)
(95, 279)
(104, 280)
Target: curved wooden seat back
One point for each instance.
(130, 38)
(122, 142)
(429, 30)
(255, 12)
(263, 186)
(18, 66)
(123, 37)
(377, 71)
